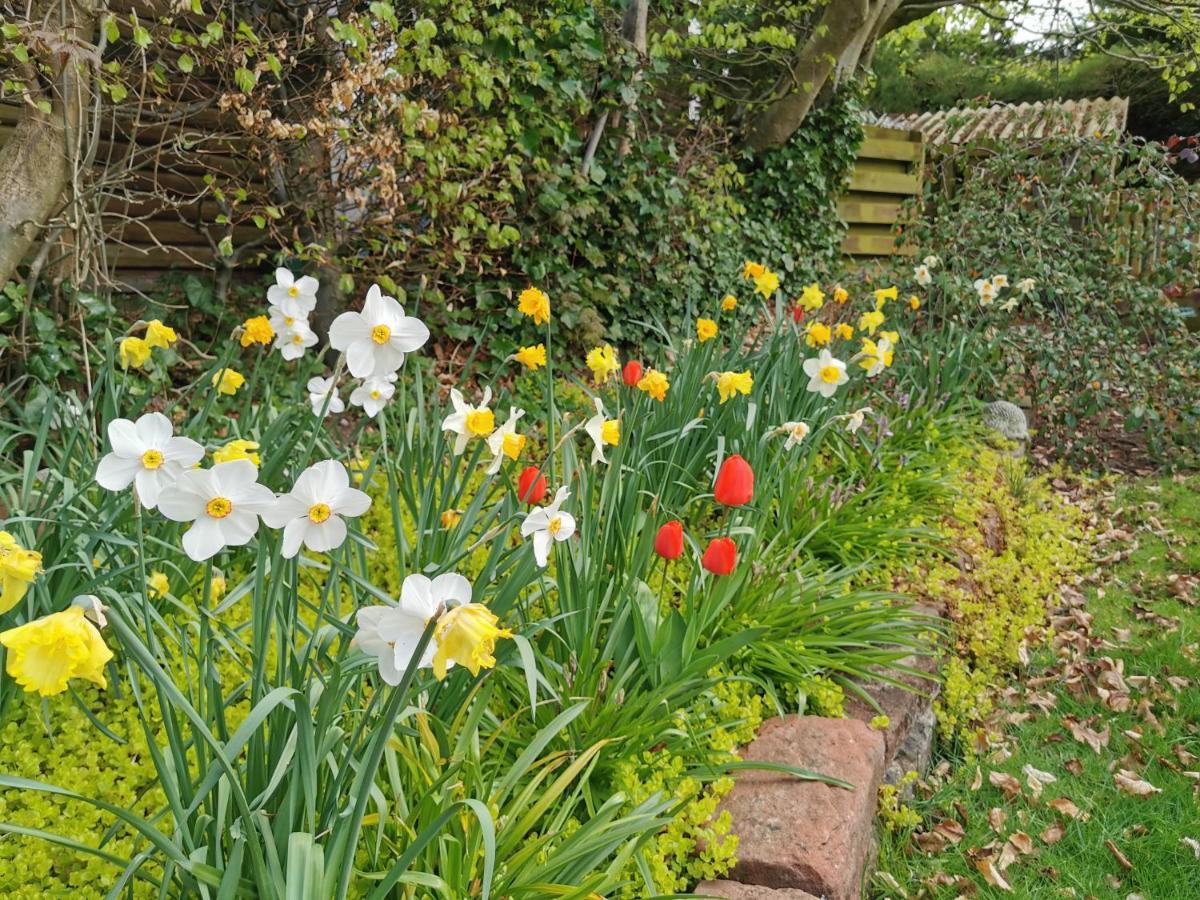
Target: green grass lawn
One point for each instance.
(1128, 679)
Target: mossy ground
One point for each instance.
(1138, 618)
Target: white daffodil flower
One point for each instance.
(374, 393)
(999, 281)
(796, 432)
(547, 525)
(505, 441)
(932, 261)
(291, 314)
(854, 420)
(1026, 286)
(602, 430)
(311, 512)
(319, 389)
(289, 292)
(880, 359)
(986, 290)
(292, 341)
(146, 455)
(469, 421)
(391, 633)
(222, 503)
(825, 374)
(1011, 303)
(376, 339)
(921, 273)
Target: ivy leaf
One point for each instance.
(245, 79)
(225, 248)
(141, 36)
(185, 63)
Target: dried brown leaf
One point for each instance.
(987, 868)
(1053, 833)
(1133, 784)
(1007, 783)
(1064, 806)
(1119, 856)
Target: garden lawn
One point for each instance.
(1110, 711)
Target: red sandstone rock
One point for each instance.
(805, 834)
(733, 890)
(901, 706)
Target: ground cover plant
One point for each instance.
(343, 634)
(1084, 777)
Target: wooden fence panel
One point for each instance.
(888, 171)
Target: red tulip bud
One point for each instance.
(668, 543)
(797, 313)
(720, 556)
(531, 486)
(735, 482)
(632, 373)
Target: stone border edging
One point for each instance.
(806, 840)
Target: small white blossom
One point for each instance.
(469, 421)
(825, 374)
(376, 339)
(293, 293)
(222, 503)
(147, 455)
(547, 525)
(318, 390)
(392, 633)
(374, 393)
(505, 441)
(311, 512)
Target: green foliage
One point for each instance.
(1098, 353)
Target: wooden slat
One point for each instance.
(871, 243)
(864, 179)
(889, 148)
(883, 212)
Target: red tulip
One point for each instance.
(797, 313)
(720, 556)
(632, 373)
(531, 486)
(735, 482)
(668, 543)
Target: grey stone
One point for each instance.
(733, 890)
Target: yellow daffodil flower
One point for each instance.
(752, 270)
(467, 635)
(237, 449)
(18, 569)
(450, 518)
(706, 330)
(160, 335)
(843, 331)
(535, 304)
(883, 295)
(134, 352)
(812, 297)
(227, 381)
(817, 334)
(766, 284)
(870, 321)
(45, 654)
(257, 330)
(655, 384)
(729, 384)
(914, 302)
(728, 303)
(603, 362)
(532, 358)
(840, 294)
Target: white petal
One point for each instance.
(284, 277)
(149, 484)
(323, 537)
(535, 521)
(410, 335)
(348, 328)
(351, 502)
(203, 540)
(115, 473)
(285, 509)
(360, 357)
(451, 589)
(154, 430)
(179, 504)
(293, 536)
(541, 548)
(123, 438)
(308, 285)
(238, 527)
(416, 597)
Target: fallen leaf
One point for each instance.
(1074, 766)
(1133, 784)
(1037, 779)
(1064, 806)
(1192, 844)
(1119, 856)
(991, 875)
(1085, 735)
(1006, 783)
(1022, 841)
(1052, 833)
(977, 781)
(996, 818)
(950, 829)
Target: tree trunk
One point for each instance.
(36, 164)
